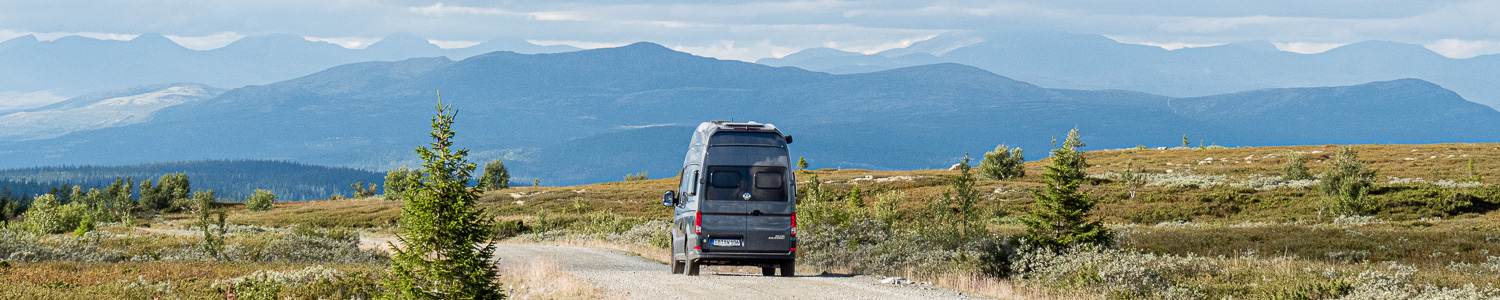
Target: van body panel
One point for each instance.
(739, 177)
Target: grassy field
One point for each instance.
(1208, 223)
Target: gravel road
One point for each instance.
(634, 277)
(639, 278)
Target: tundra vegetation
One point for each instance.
(1179, 223)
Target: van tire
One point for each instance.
(692, 268)
(677, 267)
(788, 268)
(768, 271)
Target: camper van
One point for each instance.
(735, 203)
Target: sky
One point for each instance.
(748, 30)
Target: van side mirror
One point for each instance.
(668, 199)
(788, 139)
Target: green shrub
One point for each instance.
(1295, 167)
(1347, 182)
(507, 229)
(84, 226)
(261, 200)
(46, 216)
(496, 177)
(396, 183)
(1003, 163)
(636, 176)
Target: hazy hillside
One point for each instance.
(596, 115)
(1086, 61)
(231, 180)
(74, 65)
(100, 110)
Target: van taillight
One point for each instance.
(794, 224)
(698, 223)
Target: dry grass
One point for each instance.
(85, 280)
(541, 278)
(370, 212)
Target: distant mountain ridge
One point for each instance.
(74, 65)
(596, 115)
(1088, 61)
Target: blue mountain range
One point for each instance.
(597, 115)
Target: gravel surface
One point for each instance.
(639, 278)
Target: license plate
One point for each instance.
(727, 243)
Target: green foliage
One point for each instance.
(1060, 216)
(84, 226)
(856, 200)
(170, 191)
(536, 182)
(965, 196)
(213, 238)
(445, 249)
(802, 163)
(47, 216)
(1346, 182)
(1132, 178)
(1003, 163)
(396, 183)
(360, 191)
(261, 200)
(636, 177)
(1295, 167)
(10, 206)
(816, 207)
(1473, 174)
(1184, 141)
(496, 177)
(885, 209)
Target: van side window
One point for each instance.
(695, 182)
(682, 182)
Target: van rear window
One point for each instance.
(763, 183)
(746, 138)
(724, 179)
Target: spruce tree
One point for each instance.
(966, 197)
(445, 249)
(856, 200)
(496, 177)
(802, 164)
(1060, 217)
(1004, 163)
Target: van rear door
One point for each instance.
(755, 198)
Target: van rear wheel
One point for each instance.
(692, 268)
(788, 268)
(677, 267)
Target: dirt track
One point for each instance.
(634, 277)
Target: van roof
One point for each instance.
(752, 125)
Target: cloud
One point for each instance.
(742, 29)
(453, 44)
(1457, 48)
(206, 42)
(346, 42)
(1307, 48)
